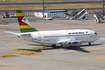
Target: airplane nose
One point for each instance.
(98, 36)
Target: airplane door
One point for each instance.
(91, 36)
(39, 37)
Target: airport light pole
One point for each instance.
(43, 8)
(92, 1)
(103, 7)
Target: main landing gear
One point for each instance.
(54, 45)
(89, 43)
(65, 47)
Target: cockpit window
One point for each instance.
(95, 33)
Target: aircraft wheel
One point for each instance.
(89, 43)
(64, 47)
(54, 45)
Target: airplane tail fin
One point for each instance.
(24, 24)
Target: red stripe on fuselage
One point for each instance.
(20, 17)
(22, 23)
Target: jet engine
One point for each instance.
(66, 44)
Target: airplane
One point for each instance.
(67, 38)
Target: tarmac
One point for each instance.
(18, 54)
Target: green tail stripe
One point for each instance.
(18, 11)
(28, 30)
(23, 30)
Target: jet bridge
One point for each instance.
(97, 16)
(74, 12)
(79, 14)
(83, 16)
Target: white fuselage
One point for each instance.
(57, 36)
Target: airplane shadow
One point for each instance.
(59, 47)
(71, 48)
(48, 47)
(91, 45)
(81, 49)
(78, 49)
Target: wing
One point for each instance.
(70, 42)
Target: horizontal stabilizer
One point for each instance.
(12, 32)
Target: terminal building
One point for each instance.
(51, 13)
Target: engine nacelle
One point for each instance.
(18, 36)
(71, 44)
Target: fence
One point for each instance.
(94, 10)
(32, 14)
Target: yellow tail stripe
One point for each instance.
(25, 26)
(20, 14)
